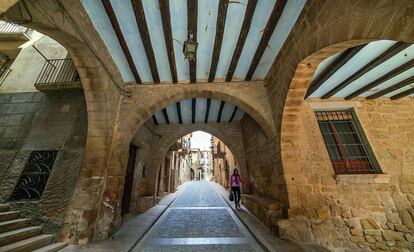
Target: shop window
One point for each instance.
(35, 174)
(346, 143)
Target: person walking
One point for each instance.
(235, 182)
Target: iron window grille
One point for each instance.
(5, 70)
(35, 174)
(346, 144)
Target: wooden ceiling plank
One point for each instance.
(403, 83)
(267, 34)
(145, 37)
(220, 24)
(389, 53)
(166, 25)
(332, 68)
(192, 10)
(117, 28)
(248, 16)
(382, 79)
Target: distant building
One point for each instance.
(223, 162)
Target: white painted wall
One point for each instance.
(28, 64)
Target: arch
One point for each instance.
(146, 100)
(50, 18)
(326, 35)
(229, 133)
(291, 112)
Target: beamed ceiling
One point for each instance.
(382, 68)
(237, 40)
(199, 110)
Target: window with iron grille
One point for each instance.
(35, 174)
(347, 146)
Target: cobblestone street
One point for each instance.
(198, 220)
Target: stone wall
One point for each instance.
(354, 212)
(224, 166)
(268, 195)
(42, 121)
(140, 201)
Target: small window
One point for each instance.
(346, 144)
(35, 174)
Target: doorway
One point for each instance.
(129, 178)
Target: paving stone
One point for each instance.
(198, 223)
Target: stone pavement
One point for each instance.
(198, 217)
(198, 220)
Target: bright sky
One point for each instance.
(201, 140)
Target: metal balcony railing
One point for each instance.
(58, 73)
(6, 27)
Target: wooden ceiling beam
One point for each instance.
(233, 114)
(165, 113)
(389, 53)
(267, 34)
(221, 21)
(193, 109)
(207, 110)
(403, 83)
(180, 118)
(166, 26)
(115, 25)
(332, 68)
(382, 79)
(154, 119)
(192, 10)
(247, 21)
(220, 112)
(403, 94)
(145, 37)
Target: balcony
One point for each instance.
(58, 74)
(13, 32)
(219, 153)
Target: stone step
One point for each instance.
(4, 207)
(10, 215)
(52, 247)
(29, 244)
(19, 234)
(6, 226)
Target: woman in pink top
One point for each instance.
(235, 182)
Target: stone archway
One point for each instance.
(102, 91)
(144, 101)
(229, 133)
(312, 197)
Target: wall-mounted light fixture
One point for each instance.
(190, 48)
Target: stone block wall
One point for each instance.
(42, 121)
(266, 179)
(365, 212)
(143, 140)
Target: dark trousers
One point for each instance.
(236, 194)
